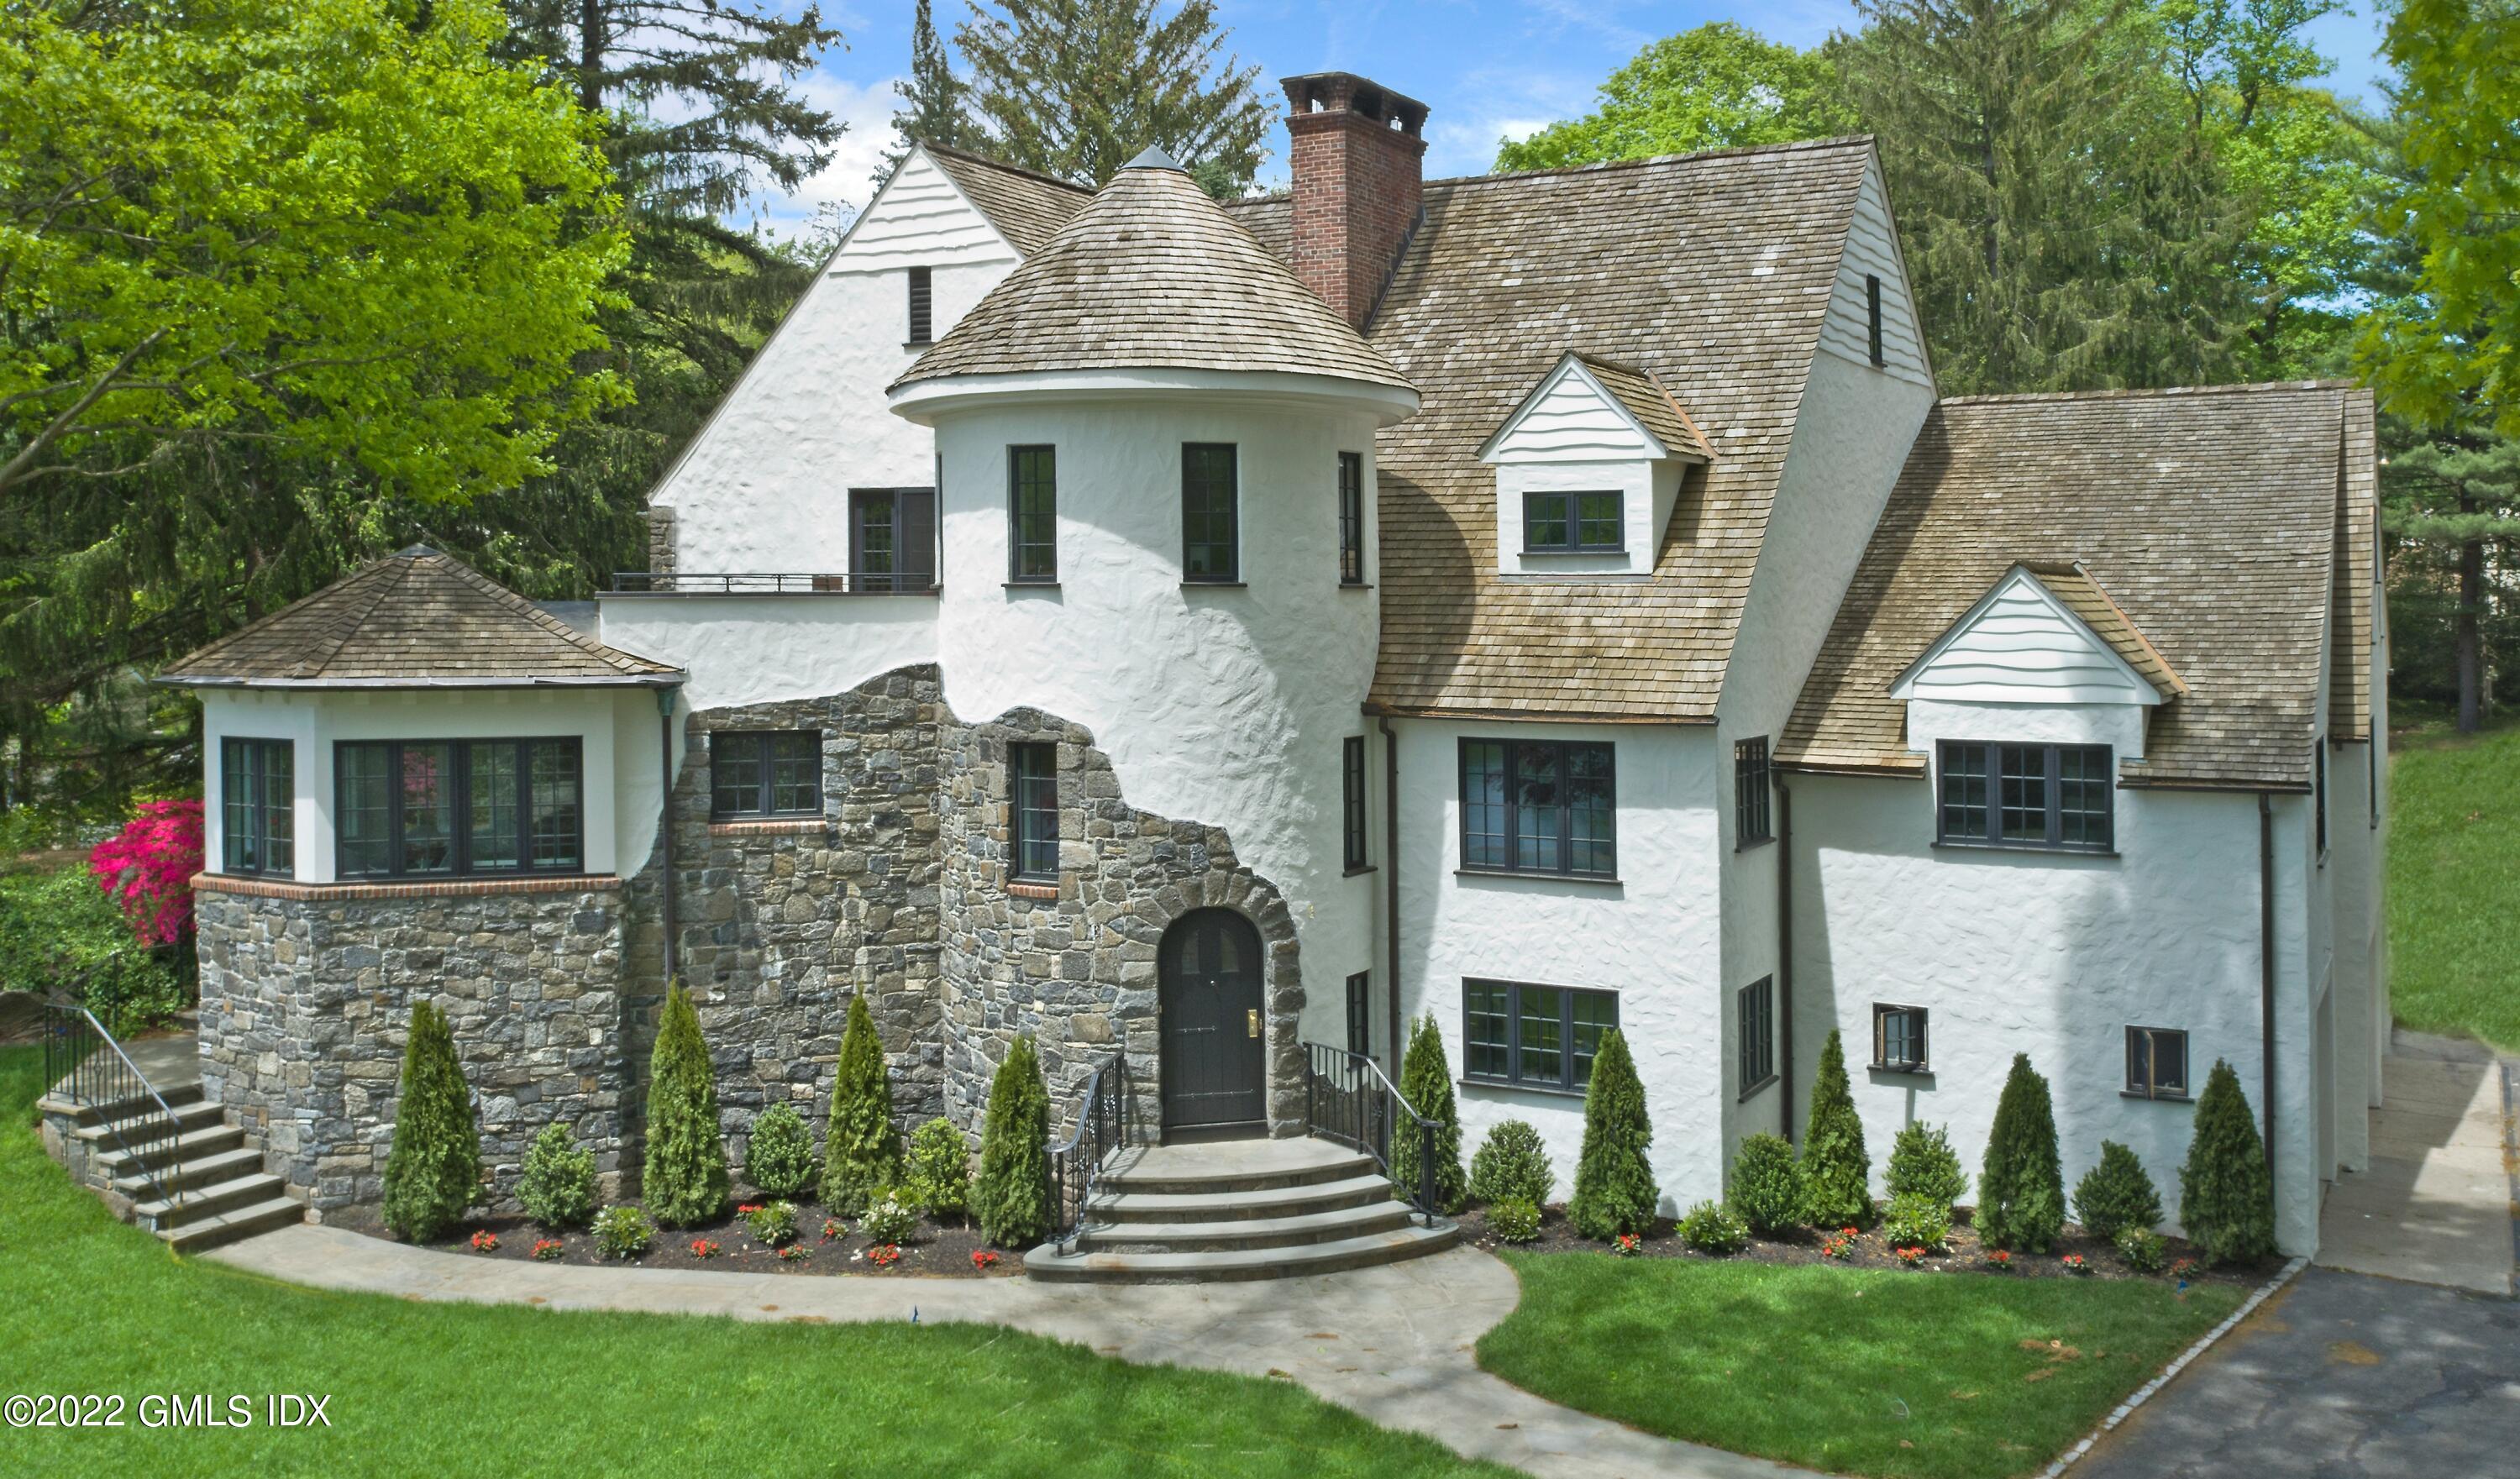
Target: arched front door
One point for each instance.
(1208, 988)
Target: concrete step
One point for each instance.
(207, 1140)
(196, 1171)
(192, 1114)
(1222, 1166)
(1230, 1265)
(228, 1227)
(193, 1204)
(1254, 1232)
(1223, 1205)
(176, 1096)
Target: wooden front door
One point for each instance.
(1208, 988)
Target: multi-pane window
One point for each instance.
(1533, 1037)
(1750, 791)
(1572, 523)
(2027, 795)
(1899, 1039)
(1756, 1007)
(1032, 797)
(1872, 317)
(893, 539)
(1210, 549)
(1537, 806)
(1360, 1014)
(756, 773)
(257, 806)
(923, 299)
(1351, 517)
(459, 806)
(2157, 1063)
(1352, 800)
(1032, 514)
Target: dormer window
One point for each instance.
(1574, 523)
(1589, 469)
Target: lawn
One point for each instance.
(1931, 1375)
(89, 1305)
(2453, 879)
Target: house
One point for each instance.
(1223, 634)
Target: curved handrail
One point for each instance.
(1358, 1078)
(167, 1113)
(1072, 1162)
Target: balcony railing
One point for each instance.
(848, 583)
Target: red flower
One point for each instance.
(485, 1241)
(884, 1255)
(702, 1247)
(547, 1248)
(746, 1209)
(985, 1258)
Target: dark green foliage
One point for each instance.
(861, 1146)
(1614, 1184)
(685, 1180)
(1711, 1228)
(779, 1159)
(2115, 1194)
(772, 1224)
(559, 1185)
(2227, 1200)
(1010, 1196)
(1916, 1221)
(2144, 1250)
(1511, 1165)
(59, 931)
(1514, 1220)
(1766, 1184)
(2020, 1185)
(1836, 1170)
(1922, 1163)
(1427, 1083)
(932, 110)
(939, 1170)
(434, 1169)
(622, 1232)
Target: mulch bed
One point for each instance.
(935, 1250)
(1962, 1253)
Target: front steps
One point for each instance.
(204, 1189)
(1237, 1210)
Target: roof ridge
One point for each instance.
(2234, 387)
(613, 656)
(1733, 151)
(992, 162)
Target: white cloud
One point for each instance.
(866, 108)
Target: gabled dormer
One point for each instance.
(1588, 470)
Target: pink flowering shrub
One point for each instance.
(147, 869)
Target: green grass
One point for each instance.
(2453, 879)
(1882, 1373)
(89, 1305)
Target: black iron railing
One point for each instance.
(1103, 1127)
(85, 1066)
(838, 583)
(1348, 1099)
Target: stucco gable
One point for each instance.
(2029, 640)
(1586, 410)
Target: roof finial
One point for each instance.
(1153, 156)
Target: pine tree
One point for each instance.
(1615, 1183)
(2116, 1194)
(934, 96)
(861, 1146)
(1010, 1196)
(2226, 1200)
(1427, 1083)
(2020, 1185)
(1836, 1169)
(434, 1170)
(685, 1181)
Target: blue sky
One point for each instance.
(1486, 68)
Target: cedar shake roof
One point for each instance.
(1153, 274)
(1027, 207)
(2076, 591)
(414, 619)
(2206, 517)
(1652, 406)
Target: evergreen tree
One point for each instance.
(1010, 1196)
(558, 1188)
(1923, 1164)
(934, 112)
(861, 1146)
(2020, 1185)
(779, 1157)
(1615, 1183)
(1427, 1083)
(2116, 1194)
(1836, 1169)
(685, 1181)
(1766, 1184)
(2227, 1198)
(434, 1170)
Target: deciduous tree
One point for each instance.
(1713, 87)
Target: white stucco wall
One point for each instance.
(1873, 248)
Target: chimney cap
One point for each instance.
(1153, 156)
(1346, 92)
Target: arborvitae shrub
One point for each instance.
(1767, 1185)
(434, 1169)
(861, 1148)
(1912, 1221)
(939, 1169)
(1614, 1184)
(1836, 1170)
(2020, 1185)
(559, 1185)
(1512, 1165)
(2116, 1194)
(1010, 1196)
(1713, 1229)
(1427, 1083)
(685, 1179)
(781, 1158)
(1514, 1220)
(2227, 1201)
(1922, 1163)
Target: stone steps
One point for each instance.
(201, 1187)
(227, 1226)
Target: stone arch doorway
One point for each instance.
(1213, 1054)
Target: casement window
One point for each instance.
(893, 539)
(1750, 791)
(257, 806)
(1574, 523)
(1359, 1012)
(1899, 1039)
(765, 773)
(1872, 318)
(1210, 531)
(2157, 1062)
(2319, 794)
(1756, 1007)
(1032, 515)
(1539, 807)
(1533, 1037)
(2028, 795)
(1032, 807)
(1352, 801)
(1351, 517)
(923, 299)
(410, 807)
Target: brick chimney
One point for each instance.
(1357, 159)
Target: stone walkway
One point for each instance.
(2436, 1204)
(1393, 1344)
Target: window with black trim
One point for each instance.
(2157, 1063)
(1558, 522)
(438, 807)
(923, 299)
(1359, 1012)
(1533, 1037)
(1032, 805)
(1755, 1004)
(1539, 806)
(1351, 517)
(257, 806)
(2058, 796)
(1750, 791)
(1032, 514)
(1899, 1039)
(893, 539)
(1352, 800)
(765, 773)
(1872, 318)
(1210, 537)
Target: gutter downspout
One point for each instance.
(665, 698)
(1785, 959)
(2267, 971)
(1391, 880)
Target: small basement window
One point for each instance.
(1899, 1039)
(1756, 1007)
(1032, 804)
(1574, 523)
(1533, 1037)
(2157, 1063)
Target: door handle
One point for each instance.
(1251, 1022)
